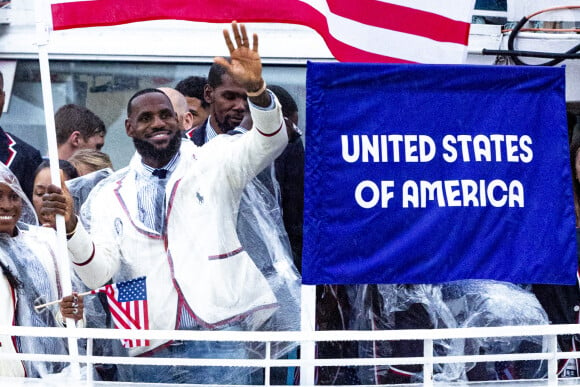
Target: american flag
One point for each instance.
(384, 31)
(128, 306)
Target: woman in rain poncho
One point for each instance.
(30, 276)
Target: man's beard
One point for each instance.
(224, 126)
(148, 151)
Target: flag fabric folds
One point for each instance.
(128, 306)
(435, 173)
(395, 31)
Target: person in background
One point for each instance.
(90, 160)
(260, 204)
(227, 106)
(93, 166)
(289, 168)
(21, 157)
(184, 115)
(192, 88)
(42, 180)
(77, 128)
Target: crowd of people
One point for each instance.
(170, 216)
(209, 212)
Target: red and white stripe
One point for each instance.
(404, 31)
(127, 315)
(11, 151)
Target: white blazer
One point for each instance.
(7, 345)
(199, 264)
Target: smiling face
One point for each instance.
(10, 210)
(152, 123)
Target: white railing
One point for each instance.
(307, 364)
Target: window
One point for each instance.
(105, 87)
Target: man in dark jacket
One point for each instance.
(289, 167)
(20, 157)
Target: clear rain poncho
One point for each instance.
(461, 304)
(80, 187)
(30, 258)
(261, 232)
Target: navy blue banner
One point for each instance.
(434, 173)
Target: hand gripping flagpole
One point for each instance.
(42, 38)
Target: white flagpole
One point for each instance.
(308, 324)
(42, 38)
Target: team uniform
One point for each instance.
(21, 158)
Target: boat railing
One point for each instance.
(307, 341)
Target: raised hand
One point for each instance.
(246, 65)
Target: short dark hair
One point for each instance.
(70, 172)
(193, 87)
(141, 92)
(216, 73)
(71, 117)
(288, 103)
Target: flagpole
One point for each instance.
(42, 38)
(41, 306)
(308, 324)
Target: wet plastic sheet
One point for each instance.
(461, 304)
